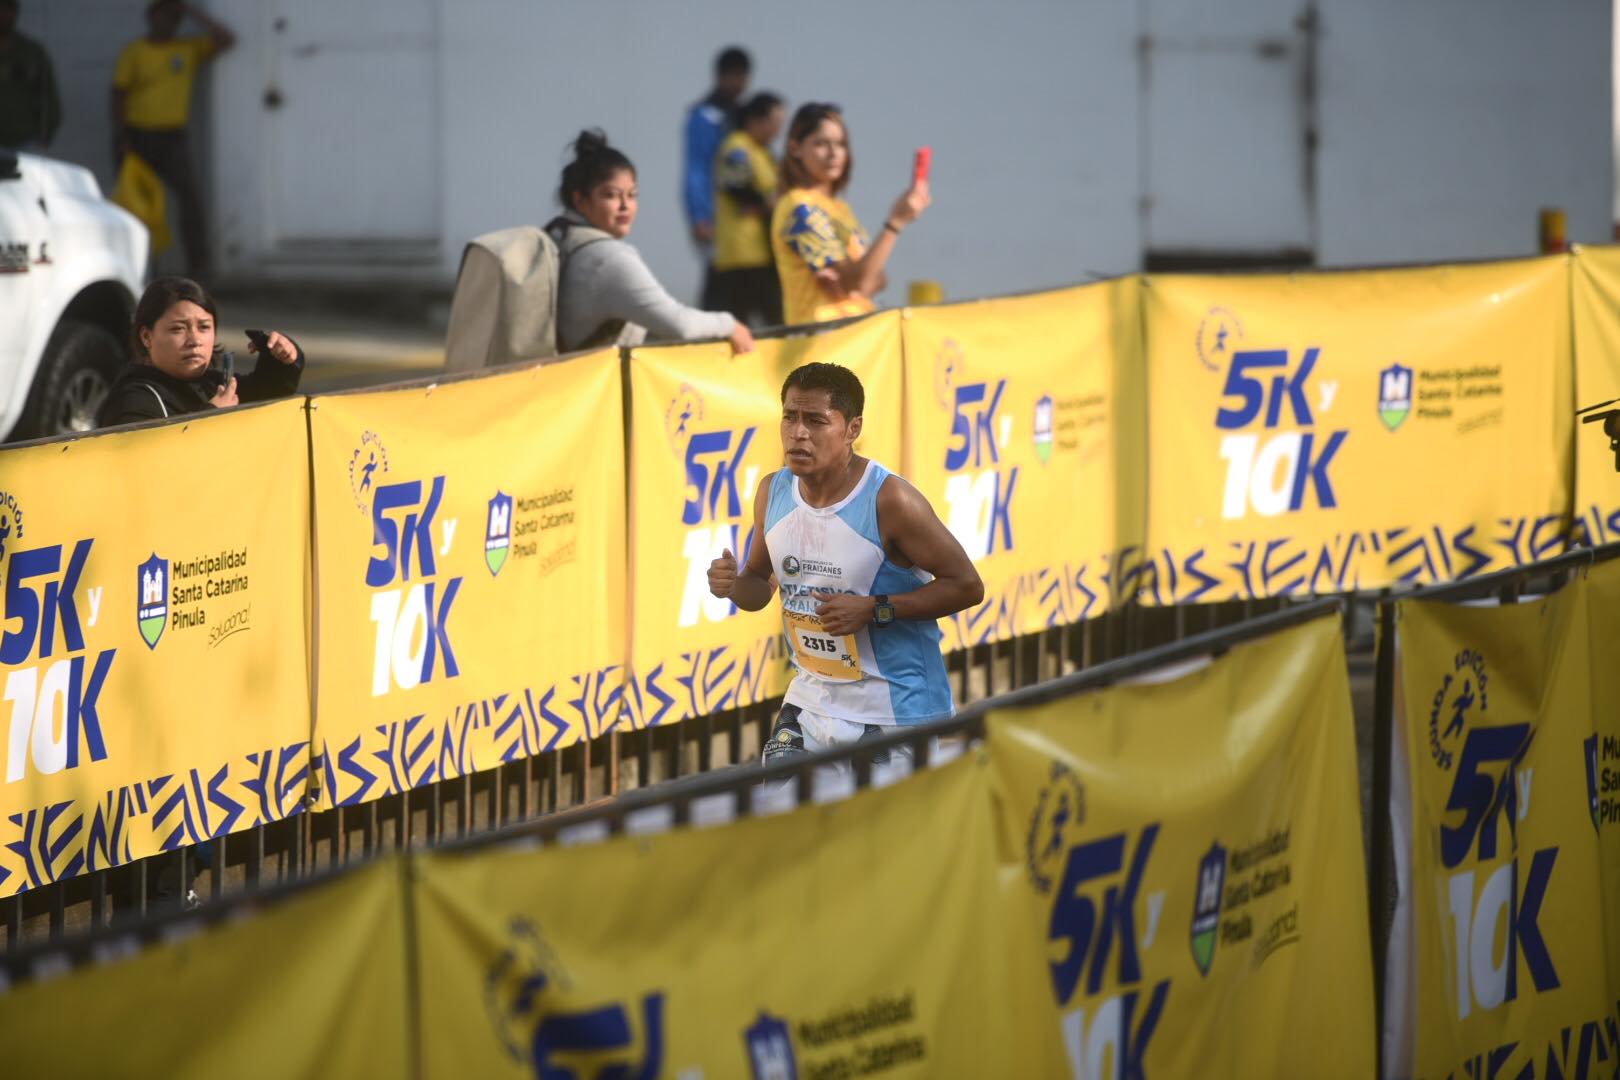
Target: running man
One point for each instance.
(866, 570)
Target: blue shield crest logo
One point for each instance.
(498, 532)
(1394, 395)
(1207, 909)
(151, 599)
(1591, 748)
(770, 1049)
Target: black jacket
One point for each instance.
(142, 392)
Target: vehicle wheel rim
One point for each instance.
(81, 401)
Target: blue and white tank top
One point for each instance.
(879, 675)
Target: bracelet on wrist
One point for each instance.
(890, 226)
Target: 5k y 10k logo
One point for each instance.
(1280, 471)
(413, 636)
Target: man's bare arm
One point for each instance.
(752, 586)
(913, 530)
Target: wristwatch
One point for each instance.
(883, 612)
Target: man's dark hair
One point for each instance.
(733, 60)
(759, 106)
(840, 383)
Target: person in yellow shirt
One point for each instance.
(827, 267)
(745, 280)
(151, 107)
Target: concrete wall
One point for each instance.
(1447, 124)
(1443, 125)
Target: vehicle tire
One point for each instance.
(80, 362)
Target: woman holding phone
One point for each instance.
(829, 269)
(178, 368)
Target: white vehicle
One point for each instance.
(71, 268)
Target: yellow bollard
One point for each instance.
(925, 292)
(1554, 236)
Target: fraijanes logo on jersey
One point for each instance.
(1394, 395)
(1590, 746)
(152, 591)
(770, 1049)
(790, 566)
(1207, 909)
(367, 465)
(498, 532)
(1043, 428)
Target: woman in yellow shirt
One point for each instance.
(828, 269)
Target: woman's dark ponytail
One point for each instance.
(594, 161)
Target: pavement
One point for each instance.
(354, 339)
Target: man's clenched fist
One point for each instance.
(723, 574)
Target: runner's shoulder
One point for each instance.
(898, 493)
(762, 494)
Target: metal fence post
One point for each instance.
(1380, 876)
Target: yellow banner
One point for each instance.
(705, 435)
(315, 985)
(1514, 829)
(861, 937)
(1596, 304)
(470, 574)
(1024, 429)
(1192, 845)
(155, 672)
(1601, 747)
(1327, 432)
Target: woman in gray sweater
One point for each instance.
(606, 295)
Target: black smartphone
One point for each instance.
(221, 367)
(261, 339)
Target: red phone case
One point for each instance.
(919, 168)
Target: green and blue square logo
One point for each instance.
(1043, 428)
(1207, 912)
(1394, 395)
(152, 590)
(498, 533)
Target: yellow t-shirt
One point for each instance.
(156, 79)
(809, 232)
(740, 242)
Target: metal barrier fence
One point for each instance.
(631, 782)
(272, 855)
(1505, 587)
(721, 793)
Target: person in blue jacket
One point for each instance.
(707, 123)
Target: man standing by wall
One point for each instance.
(151, 107)
(706, 124)
(29, 108)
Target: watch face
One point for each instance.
(884, 614)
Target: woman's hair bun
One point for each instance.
(594, 161)
(591, 141)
